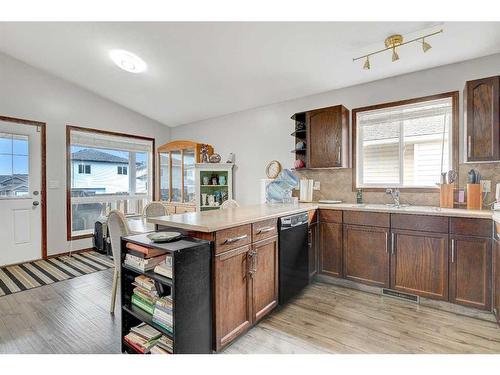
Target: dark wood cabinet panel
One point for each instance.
(419, 263)
(330, 243)
(366, 255)
(470, 271)
(470, 226)
(313, 249)
(233, 310)
(482, 116)
(375, 219)
(330, 216)
(264, 272)
(328, 137)
(264, 229)
(420, 223)
(496, 279)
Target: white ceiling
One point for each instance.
(202, 70)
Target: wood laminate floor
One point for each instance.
(72, 317)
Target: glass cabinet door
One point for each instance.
(188, 177)
(176, 162)
(164, 176)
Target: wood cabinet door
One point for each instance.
(233, 295)
(366, 255)
(313, 249)
(496, 279)
(327, 137)
(470, 271)
(419, 263)
(330, 249)
(482, 113)
(264, 271)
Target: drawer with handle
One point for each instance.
(231, 238)
(264, 229)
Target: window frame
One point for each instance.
(455, 143)
(69, 129)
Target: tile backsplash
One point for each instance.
(337, 184)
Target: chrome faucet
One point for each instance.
(395, 196)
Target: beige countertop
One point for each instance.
(211, 221)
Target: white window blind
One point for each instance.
(404, 146)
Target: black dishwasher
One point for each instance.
(293, 256)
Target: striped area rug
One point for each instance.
(31, 275)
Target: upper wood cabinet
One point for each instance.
(325, 132)
(482, 119)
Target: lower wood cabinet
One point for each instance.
(246, 288)
(330, 242)
(470, 271)
(233, 295)
(264, 277)
(419, 263)
(366, 254)
(496, 279)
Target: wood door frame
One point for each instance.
(70, 128)
(43, 162)
(455, 140)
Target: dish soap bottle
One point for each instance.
(359, 196)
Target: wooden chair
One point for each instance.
(154, 209)
(118, 227)
(230, 203)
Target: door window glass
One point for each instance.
(14, 165)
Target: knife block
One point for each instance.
(446, 195)
(474, 196)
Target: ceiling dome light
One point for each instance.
(127, 61)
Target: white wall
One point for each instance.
(26, 92)
(263, 134)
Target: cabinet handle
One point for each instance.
(469, 143)
(452, 251)
(255, 257)
(265, 230)
(392, 243)
(235, 239)
(387, 242)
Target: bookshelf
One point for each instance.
(190, 288)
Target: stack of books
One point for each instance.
(165, 268)
(143, 258)
(162, 313)
(164, 345)
(145, 294)
(143, 337)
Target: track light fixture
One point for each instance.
(394, 41)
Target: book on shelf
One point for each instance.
(164, 345)
(143, 264)
(162, 313)
(145, 283)
(142, 337)
(164, 269)
(143, 251)
(144, 305)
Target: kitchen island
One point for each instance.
(419, 252)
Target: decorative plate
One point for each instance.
(214, 158)
(273, 169)
(164, 236)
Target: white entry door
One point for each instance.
(20, 195)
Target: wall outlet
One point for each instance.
(317, 185)
(486, 184)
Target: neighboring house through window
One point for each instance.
(405, 145)
(107, 172)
